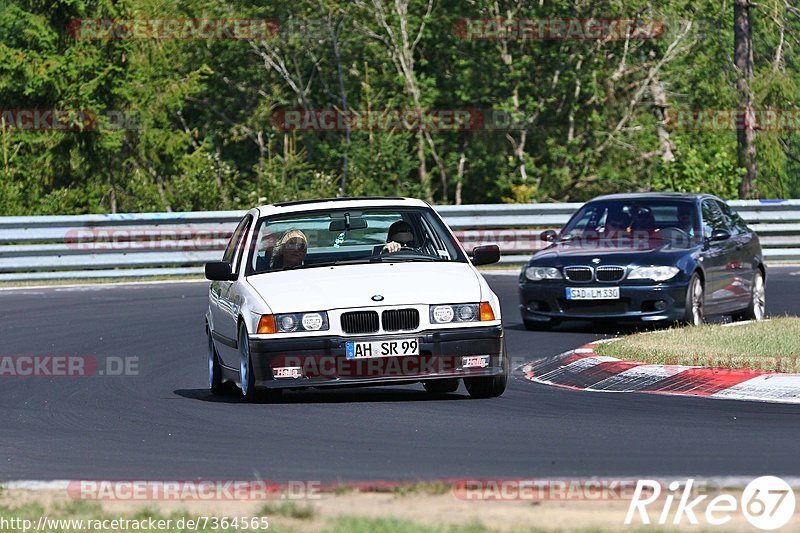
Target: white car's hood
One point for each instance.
(346, 286)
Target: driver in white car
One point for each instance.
(400, 235)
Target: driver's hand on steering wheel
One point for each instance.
(391, 247)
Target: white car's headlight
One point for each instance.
(448, 313)
(656, 273)
(540, 273)
(289, 322)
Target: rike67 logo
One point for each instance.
(767, 503)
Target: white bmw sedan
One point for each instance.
(352, 292)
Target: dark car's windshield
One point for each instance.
(639, 218)
(346, 236)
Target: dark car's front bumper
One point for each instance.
(322, 361)
(546, 301)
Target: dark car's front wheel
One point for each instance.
(757, 310)
(488, 387)
(695, 302)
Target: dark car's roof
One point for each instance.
(652, 196)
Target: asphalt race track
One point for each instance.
(163, 424)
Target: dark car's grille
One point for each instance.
(360, 322)
(578, 273)
(609, 273)
(397, 319)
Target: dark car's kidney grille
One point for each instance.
(579, 273)
(397, 319)
(609, 273)
(360, 322)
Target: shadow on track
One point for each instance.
(339, 395)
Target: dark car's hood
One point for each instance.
(653, 251)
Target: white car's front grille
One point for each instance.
(400, 319)
(360, 322)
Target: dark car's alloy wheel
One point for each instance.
(757, 310)
(695, 302)
(215, 383)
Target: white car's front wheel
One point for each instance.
(489, 387)
(246, 376)
(215, 383)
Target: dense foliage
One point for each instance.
(189, 124)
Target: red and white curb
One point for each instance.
(583, 369)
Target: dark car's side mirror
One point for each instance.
(485, 255)
(719, 235)
(549, 235)
(219, 271)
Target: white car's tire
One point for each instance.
(491, 386)
(441, 386)
(215, 383)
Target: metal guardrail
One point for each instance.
(165, 244)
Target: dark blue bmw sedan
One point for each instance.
(653, 257)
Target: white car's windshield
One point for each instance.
(343, 236)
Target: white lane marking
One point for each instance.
(768, 387)
(499, 272)
(100, 286)
(712, 482)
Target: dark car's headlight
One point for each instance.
(540, 273)
(290, 322)
(655, 273)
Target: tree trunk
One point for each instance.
(112, 194)
(743, 61)
(660, 112)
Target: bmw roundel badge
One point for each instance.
(377, 298)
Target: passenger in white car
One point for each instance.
(290, 250)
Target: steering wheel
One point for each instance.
(673, 230)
